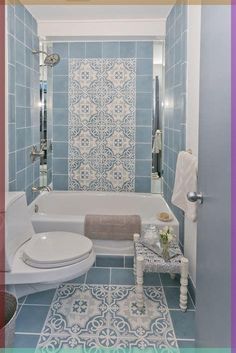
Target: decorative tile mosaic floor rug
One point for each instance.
(96, 317)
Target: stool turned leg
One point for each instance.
(184, 284)
(172, 276)
(136, 238)
(139, 282)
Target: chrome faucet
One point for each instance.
(41, 188)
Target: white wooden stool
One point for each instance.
(146, 260)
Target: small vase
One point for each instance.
(165, 251)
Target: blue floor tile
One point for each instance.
(151, 279)
(184, 324)
(172, 296)
(129, 261)
(26, 341)
(98, 276)
(31, 318)
(168, 282)
(109, 261)
(187, 344)
(78, 280)
(41, 298)
(122, 276)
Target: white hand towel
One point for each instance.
(185, 181)
(157, 143)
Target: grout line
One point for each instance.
(46, 305)
(175, 309)
(28, 333)
(186, 339)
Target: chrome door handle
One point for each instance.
(193, 197)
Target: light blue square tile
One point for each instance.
(184, 324)
(143, 184)
(144, 84)
(77, 50)
(144, 151)
(28, 38)
(20, 52)
(145, 67)
(31, 318)
(28, 18)
(12, 166)
(168, 282)
(11, 79)
(61, 49)
(172, 297)
(129, 261)
(144, 117)
(98, 276)
(60, 166)
(60, 100)
(11, 137)
(26, 341)
(34, 25)
(29, 59)
(145, 50)
(20, 12)
(143, 168)
(11, 49)
(28, 99)
(144, 134)
(60, 149)
(12, 186)
(61, 68)
(20, 117)
(122, 276)
(111, 49)
(19, 26)
(144, 101)
(41, 298)
(60, 182)
(29, 176)
(11, 19)
(11, 108)
(20, 74)
(20, 96)
(27, 117)
(151, 279)
(28, 136)
(109, 261)
(20, 181)
(20, 160)
(60, 84)
(20, 138)
(60, 133)
(128, 49)
(78, 280)
(93, 49)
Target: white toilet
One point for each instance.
(40, 261)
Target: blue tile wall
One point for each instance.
(175, 101)
(143, 53)
(23, 99)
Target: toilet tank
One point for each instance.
(18, 226)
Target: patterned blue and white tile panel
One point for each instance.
(102, 124)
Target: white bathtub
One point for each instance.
(66, 210)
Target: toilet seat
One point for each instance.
(56, 249)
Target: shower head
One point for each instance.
(50, 59)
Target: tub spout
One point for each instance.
(41, 188)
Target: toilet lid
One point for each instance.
(56, 249)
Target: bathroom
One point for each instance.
(101, 102)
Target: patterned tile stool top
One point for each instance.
(146, 260)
